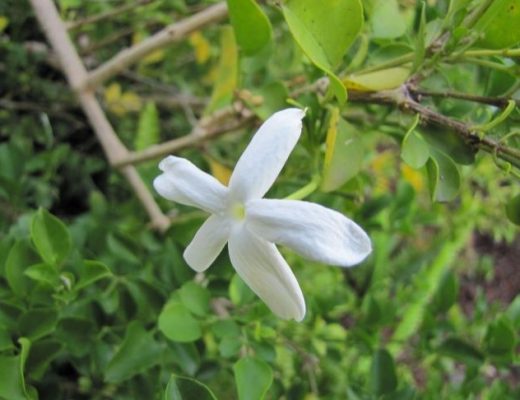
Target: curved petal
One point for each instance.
(316, 232)
(264, 270)
(208, 242)
(264, 158)
(184, 183)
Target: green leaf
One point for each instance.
(35, 324)
(148, 127)
(323, 35)
(325, 32)
(344, 153)
(184, 388)
(19, 258)
(447, 293)
(253, 378)
(274, 97)
(500, 339)
(460, 350)
(227, 72)
(43, 273)
(12, 382)
(251, 25)
(499, 24)
(449, 143)
(513, 210)
(41, 355)
(51, 237)
(414, 150)
(239, 292)
(383, 375)
(138, 352)
(195, 298)
(386, 20)
(443, 177)
(389, 78)
(177, 324)
(91, 272)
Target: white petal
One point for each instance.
(184, 183)
(264, 158)
(208, 242)
(264, 270)
(316, 232)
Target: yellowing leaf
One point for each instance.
(378, 80)
(4, 21)
(120, 103)
(227, 76)
(413, 177)
(201, 47)
(219, 171)
(154, 57)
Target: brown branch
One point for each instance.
(106, 15)
(75, 72)
(401, 98)
(208, 128)
(493, 101)
(171, 34)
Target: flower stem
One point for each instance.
(305, 190)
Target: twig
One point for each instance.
(401, 98)
(75, 71)
(172, 33)
(208, 128)
(494, 101)
(106, 15)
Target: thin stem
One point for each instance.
(172, 33)
(494, 101)
(305, 190)
(394, 62)
(106, 15)
(489, 52)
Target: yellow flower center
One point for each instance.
(238, 211)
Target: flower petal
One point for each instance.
(208, 242)
(316, 232)
(184, 183)
(264, 270)
(264, 158)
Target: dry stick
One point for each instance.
(75, 71)
(208, 128)
(172, 33)
(493, 101)
(106, 15)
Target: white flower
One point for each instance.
(250, 225)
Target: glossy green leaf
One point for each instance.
(138, 352)
(11, 383)
(90, 272)
(43, 273)
(20, 257)
(449, 143)
(253, 378)
(251, 25)
(177, 324)
(383, 375)
(323, 34)
(184, 388)
(195, 298)
(386, 20)
(499, 24)
(344, 153)
(148, 128)
(51, 237)
(513, 210)
(443, 177)
(273, 98)
(36, 323)
(414, 150)
(227, 72)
